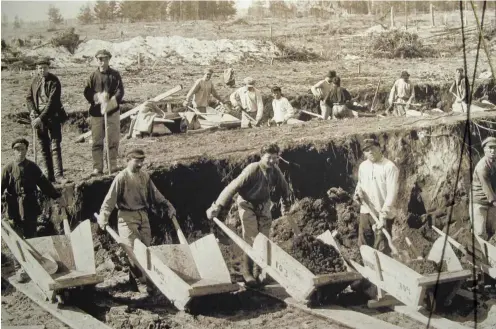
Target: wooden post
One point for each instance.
(270, 29)
(139, 59)
(392, 17)
(415, 18)
(406, 17)
(432, 15)
(445, 19)
(358, 67)
(465, 14)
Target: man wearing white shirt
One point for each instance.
(378, 185)
(402, 95)
(201, 92)
(283, 110)
(249, 100)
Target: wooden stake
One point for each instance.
(392, 17)
(270, 29)
(432, 15)
(406, 17)
(358, 67)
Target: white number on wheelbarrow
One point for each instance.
(281, 269)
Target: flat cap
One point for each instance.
(490, 141)
(331, 74)
(404, 74)
(103, 53)
(369, 142)
(136, 154)
(43, 61)
(20, 141)
(249, 82)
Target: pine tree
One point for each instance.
(54, 16)
(85, 15)
(17, 22)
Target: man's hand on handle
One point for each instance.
(102, 221)
(213, 211)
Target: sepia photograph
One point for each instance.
(242, 164)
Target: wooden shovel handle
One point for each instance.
(384, 231)
(180, 234)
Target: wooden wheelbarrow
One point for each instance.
(408, 286)
(299, 282)
(216, 118)
(55, 263)
(484, 257)
(182, 271)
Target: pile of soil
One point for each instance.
(425, 266)
(422, 240)
(317, 256)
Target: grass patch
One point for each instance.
(399, 44)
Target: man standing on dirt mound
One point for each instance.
(21, 179)
(376, 191)
(402, 95)
(201, 91)
(104, 91)
(321, 92)
(483, 206)
(47, 115)
(248, 100)
(254, 186)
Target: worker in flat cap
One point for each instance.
(376, 191)
(201, 91)
(133, 193)
(248, 100)
(321, 92)
(104, 91)
(402, 95)
(47, 116)
(483, 202)
(21, 179)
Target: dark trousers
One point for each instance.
(49, 139)
(23, 213)
(367, 236)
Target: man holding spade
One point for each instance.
(104, 91)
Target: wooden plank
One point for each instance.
(165, 279)
(208, 259)
(75, 279)
(178, 258)
(332, 313)
(444, 277)
(70, 315)
(489, 251)
(399, 280)
(450, 240)
(442, 251)
(206, 287)
(160, 97)
(82, 247)
(341, 277)
(435, 321)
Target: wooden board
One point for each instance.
(208, 259)
(209, 287)
(441, 250)
(491, 251)
(178, 258)
(335, 314)
(399, 280)
(23, 327)
(72, 316)
(75, 279)
(444, 277)
(165, 279)
(82, 247)
(435, 321)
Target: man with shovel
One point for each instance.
(104, 91)
(248, 100)
(47, 114)
(376, 191)
(201, 91)
(483, 201)
(402, 95)
(21, 179)
(254, 185)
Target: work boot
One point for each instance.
(21, 276)
(248, 271)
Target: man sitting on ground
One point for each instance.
(284, 113)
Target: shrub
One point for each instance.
(67, 39)
(399, 44)
(293, 53)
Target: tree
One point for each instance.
(54, 16)
(85, 16)
(17, 22)
(5, 20)
(103, 11)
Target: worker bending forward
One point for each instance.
(254, 186)
(377, 188)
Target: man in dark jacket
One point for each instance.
(20, 180)
(47, 115)
(104, 91)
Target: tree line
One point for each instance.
(136, 11)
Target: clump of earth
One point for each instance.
(315, 255)
(425, 266)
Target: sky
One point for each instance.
(37, 10)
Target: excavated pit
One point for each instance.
(322, 175)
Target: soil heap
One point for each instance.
(317, 256)
(425, 266)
